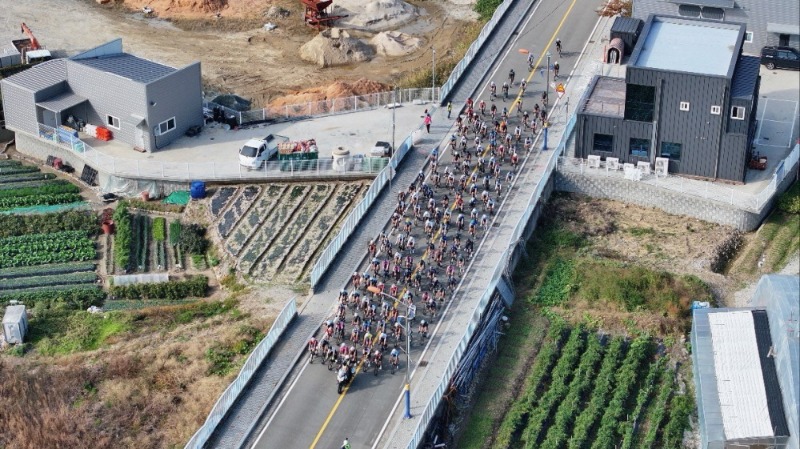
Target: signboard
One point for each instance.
(560, 90)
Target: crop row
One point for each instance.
(73, 296)
(628, 428)
(318, 233)
(547, 357)
(561, 429)
(45, 188)
(293, 232)
(175, 228)
(221, 199)
(658, 410)
(48, 281)
(195, 286)
(240, 205)
(16, 170)
(626, 380)
(44, 199)
(270, 230)
(681, 408)
(9, 163)
(33, 176)
(72, 220)
(252, 221)
(123, 239)
(47, 270)
(141, 238)
(559, 383)
(38, 249)
(159, 229)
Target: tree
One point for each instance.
(616, 8)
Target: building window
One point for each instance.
(640, 147)
(640, 102)
(603, 143)
(689, 10)
(748, 37)
(713, 13)
(112, 121)
(671, 150)
(716, 110)
(166, 126)
(737, 112)
(684, 105)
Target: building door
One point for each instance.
(49, 118)
(783, 40)
(140, 137)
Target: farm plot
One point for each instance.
(239, 207)
(321, 230)
(273, 259)
(221, 199)
(267, 234)
(258, 214)
(25, 186)
(38, 249)
(585, 391)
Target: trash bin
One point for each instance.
(197, 190)
(341, 157)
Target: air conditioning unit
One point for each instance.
(612, 163)
(643, 167)
(631, 172)
(662, 166)
(593, 161)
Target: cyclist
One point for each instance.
(531, 60)
(505, 91)
(493, 90)
(522, 86)
(423, 328)
(312, 347)
(558, 46)
(555, 70)
(482, 107)
(394, 356)
(511, 77)
(377, 358)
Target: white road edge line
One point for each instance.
(761, 120)
(280, 404)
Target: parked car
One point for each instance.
(780, 58)
(255, 152)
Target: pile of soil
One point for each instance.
(338, 89)
(395, 43)
(335, 47)
(194, 8)
(375, 15)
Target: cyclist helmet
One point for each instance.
(423, 323)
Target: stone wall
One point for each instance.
(668, 200)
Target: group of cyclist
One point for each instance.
(420, 258)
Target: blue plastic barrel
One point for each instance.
(198, 190)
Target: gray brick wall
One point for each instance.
(669, 201)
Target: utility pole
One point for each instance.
(547, 84)
(391, 156)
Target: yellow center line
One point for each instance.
(425, 253)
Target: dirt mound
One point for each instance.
(334, 47)
(376, 15)
(194, 8)
(338, 89)
(395, 43)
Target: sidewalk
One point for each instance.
(429, 372)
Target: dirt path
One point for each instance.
(238, 54)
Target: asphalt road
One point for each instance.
(312, 415)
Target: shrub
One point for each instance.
(71, 297)
(195, 286)
(485, 8)
(789, 201)
(193, 239)
(154, 206)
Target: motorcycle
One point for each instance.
(344, 376)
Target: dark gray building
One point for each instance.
(692, 104)
(775, 22)
(145, 104)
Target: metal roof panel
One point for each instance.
(129, 66)
(40, 76)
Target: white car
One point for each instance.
(255, 152)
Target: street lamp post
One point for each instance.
(433, 76)
(547, 84)
(407, 388)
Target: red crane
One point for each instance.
(34, 43)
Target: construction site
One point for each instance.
(247, 48)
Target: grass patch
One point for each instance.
(222, 356)
(62, 332)
(641, 232)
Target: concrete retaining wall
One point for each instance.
(667, 200)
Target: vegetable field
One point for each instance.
(24, 186)
(586, 391)
(278, 231)
(49, 257)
